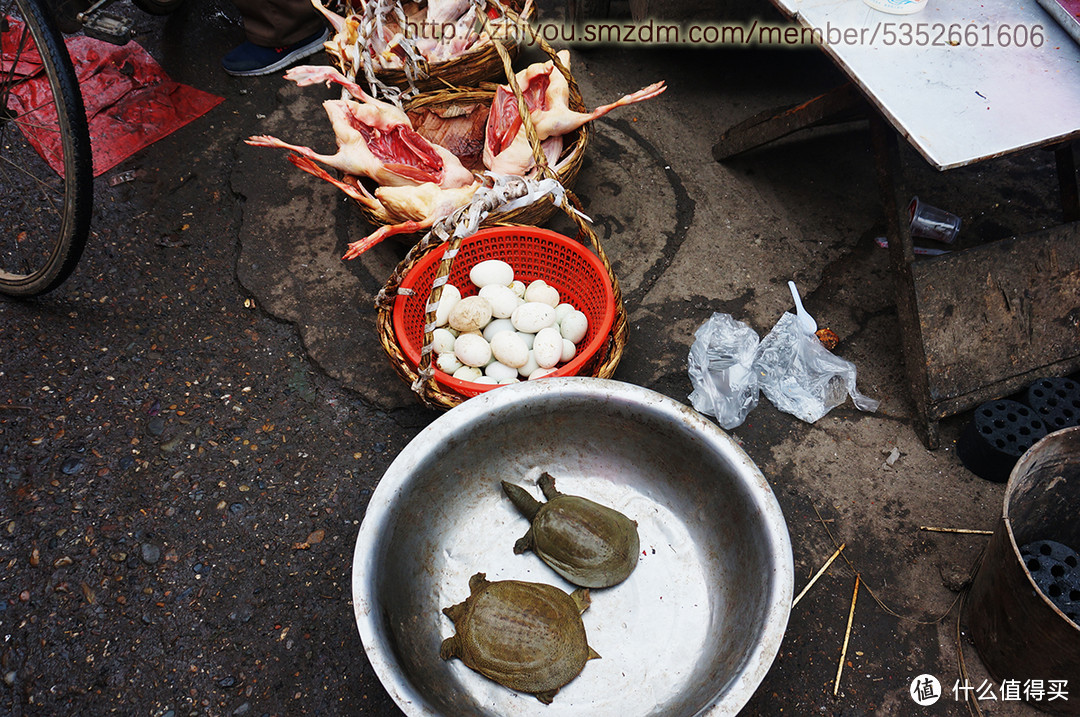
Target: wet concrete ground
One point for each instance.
(191, 427)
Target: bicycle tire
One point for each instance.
(44, 213)
(158, 7)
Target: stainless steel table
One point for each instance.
(962, 81)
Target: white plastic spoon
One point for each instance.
(805, 319)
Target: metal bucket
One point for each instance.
(1019, 632)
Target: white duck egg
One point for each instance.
(527, 338)
(470, 314)
(503, 301)
(442, 341)
(448, 363)
(472, 350)
(491, 271)
(509, 348)
(541, 372)
(500, 371)
(518, 287)
(497, 326)
(486, 380)
(467, 373)
(574, 326)
(569, 350)
(532, 316)
(562, 310)
(447, 301)
(529, 367)
(547, 348)
(515, 379)
(542, 292)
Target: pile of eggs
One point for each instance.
(507, 332)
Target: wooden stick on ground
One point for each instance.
(818, 574)
(968, 531)
(847, 636)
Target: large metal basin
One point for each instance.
(691, 632)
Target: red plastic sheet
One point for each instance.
(130, 101)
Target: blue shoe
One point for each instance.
(251, 60)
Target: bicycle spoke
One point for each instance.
(51, 192)
(41, 210)
(30, 111)
(8, 79)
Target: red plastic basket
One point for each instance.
(534, 253)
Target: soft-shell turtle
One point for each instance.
(525, 636)
(589, 544)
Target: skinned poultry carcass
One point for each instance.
(419, 206)
(547, 96)
(454, 43)
(504, 119)
(446, 11)
(338, 23)
(391, 35)
(304, 75)
(372, 35)
(376, 140)
(420, 181)
(343, 45)
(377, 31)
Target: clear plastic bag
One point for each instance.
(730, 366)
(720, 367)
(802, 377)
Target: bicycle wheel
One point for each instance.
(46, 168)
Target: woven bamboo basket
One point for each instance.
(437, 390)
(570, 161)
(478, 64)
